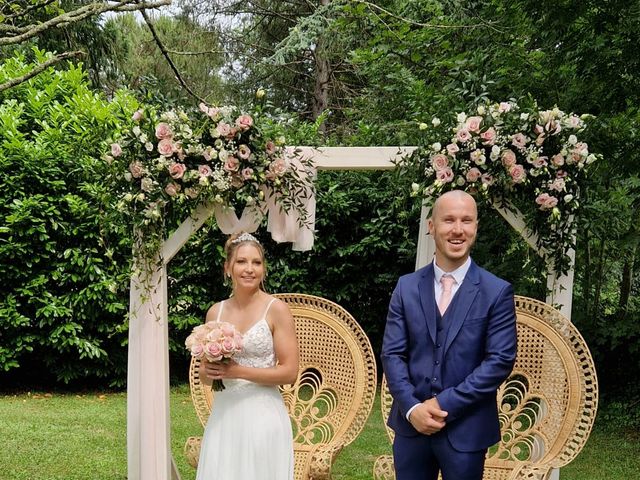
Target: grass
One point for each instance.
(83, 437)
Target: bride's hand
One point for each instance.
(219, 370)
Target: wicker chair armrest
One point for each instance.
(321, 460)
(192, 450)
(383, 468)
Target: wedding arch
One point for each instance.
(148, 426)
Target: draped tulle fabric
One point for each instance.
(284, 226)
(248, 434)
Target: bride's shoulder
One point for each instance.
(212, 313)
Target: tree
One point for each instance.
(24, 21)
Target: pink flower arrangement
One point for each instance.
(215, 342)
(175, 160)
(518, 157)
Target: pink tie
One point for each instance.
(447, 282)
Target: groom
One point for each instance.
(449, 342)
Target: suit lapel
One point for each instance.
(427, 300)
(465, 296)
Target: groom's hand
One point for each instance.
(428, 418)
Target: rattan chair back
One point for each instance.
(546, 407)
(334, 394)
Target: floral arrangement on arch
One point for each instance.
(515, 157)
(181, 159)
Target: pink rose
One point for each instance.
(247, 173)
(463, 135)
(244, 152)
(231, 164)
(205, 170)
(213, 351)
(136, 169)
(574, 121)
(137, 115)
(163, 131)
(486, 179)
(244, 122)
(224, 129)
(445, 175)
(504, 107)
(278, 167)
(197, 350)
(176, 170)
(508, 158)
(557, 160)
(165, 147)
(488, 136)
(270, 148)
(215, 334)
(546, 201)
(540, 162)
(116, 149)
(473, 174)
(518, 173)
(473, 124)
(172, 189)
(452, 149)
(439, 161)
(228, 345)
(227, 329)
(519, 140)
(558, 185)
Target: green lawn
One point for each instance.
(83, 437)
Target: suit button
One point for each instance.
(437, 362)
(435, 379)
(438, 345)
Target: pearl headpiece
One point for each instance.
(245, 237)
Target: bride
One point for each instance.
(248, 434)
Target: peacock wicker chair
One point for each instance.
(333, 396)
(546, 407)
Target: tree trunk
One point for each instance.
(625, 286)
(599, 279)
(323, 74)
(586, 278)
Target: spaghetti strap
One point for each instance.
(266, 310)
(220, 311)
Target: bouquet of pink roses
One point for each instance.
(216, 342)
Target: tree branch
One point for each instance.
(165, 54)
(38, 69)
(21, 34)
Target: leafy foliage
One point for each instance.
(60, 300)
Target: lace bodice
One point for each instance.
(257, 348)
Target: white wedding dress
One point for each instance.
(248, 435)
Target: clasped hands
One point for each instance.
(428, 418)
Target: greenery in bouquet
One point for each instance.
(520, 158)
(172, 161)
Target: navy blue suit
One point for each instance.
(461, 359)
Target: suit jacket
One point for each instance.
(477, 356)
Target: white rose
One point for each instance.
(481, 109)
(435, 122)
(436, 147)
(461, 117)
(568, 197)
(573, 139)
(423, 126)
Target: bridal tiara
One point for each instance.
(245, 237)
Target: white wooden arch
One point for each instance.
(148, 420)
